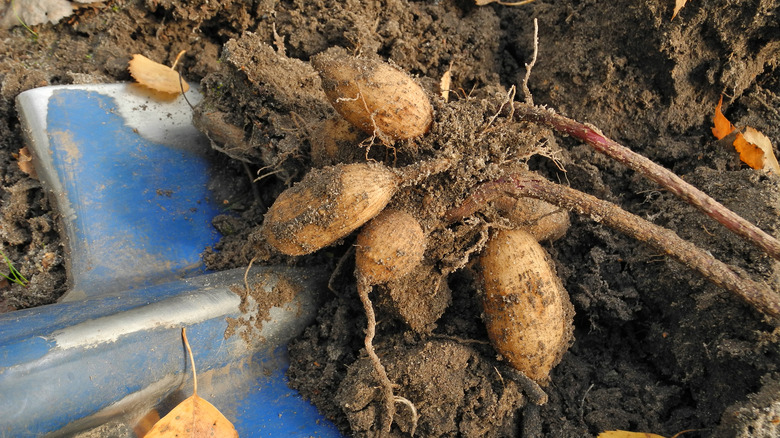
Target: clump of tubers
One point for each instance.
(527, 311)
(374, 96)
(327, 205)
(389, 247)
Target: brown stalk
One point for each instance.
(733, 279)
(653, 171)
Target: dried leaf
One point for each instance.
(722, 126)
(755, 149)
(156, 76)
(678, 4)
(24, 160)
(194, 417)
(626, 434)
(445, 83)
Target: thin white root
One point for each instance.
(526, 91)
(412, 408)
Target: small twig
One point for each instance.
(734, 280)
(529, 100)
(653, 171)
(386, 387)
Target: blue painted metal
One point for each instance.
(137, 202)
(131, 179)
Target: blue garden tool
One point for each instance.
(132, 181)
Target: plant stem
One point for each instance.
(733, 279)
(653, 171)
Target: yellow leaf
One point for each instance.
(194, 417)
(626, 434)
(755, 149)
(678, 4)
(156, 76)
(722, 126)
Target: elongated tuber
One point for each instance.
(374, 96)
(327, 205)
(527, 311)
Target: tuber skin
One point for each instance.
(374, 96)
(327, 205)
(390, 246)
(335, 141)
(528, 314)
(545, 221)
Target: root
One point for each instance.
(526, 91)
(412, 409)
(653, 171)
(337, 270)
(760, 296)
(386, 387)
(246, 274)
(532, 390)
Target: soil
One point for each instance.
(657, 348)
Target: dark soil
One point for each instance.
(657, 348)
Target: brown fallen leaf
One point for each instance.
(678, 4)
(157, 76)
(194, 417)
(24, 160)
(445, 83)
(755, 148)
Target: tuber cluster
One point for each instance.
(526, 309)
(414, 228)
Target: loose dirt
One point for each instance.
(658, 349)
